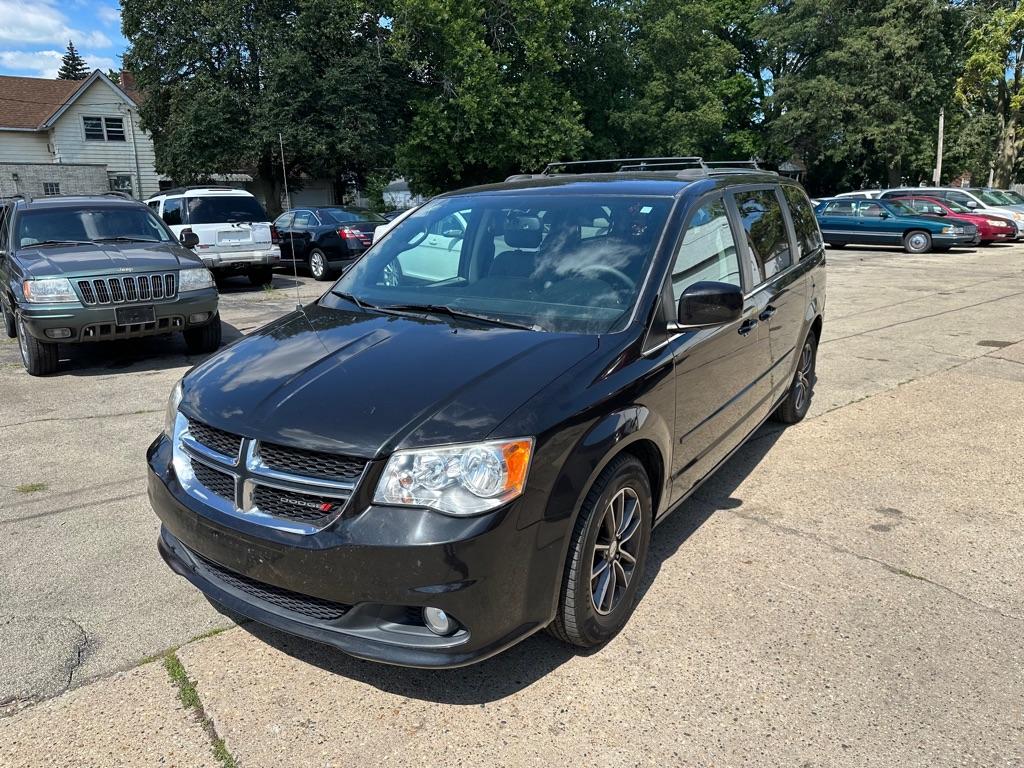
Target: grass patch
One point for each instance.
(268, 288)
(189, 697)
(31, 487)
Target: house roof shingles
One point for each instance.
(26, 102)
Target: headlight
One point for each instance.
(1018, 216)
(995, 222)
(171, 413)
(51, 290)
(194, 279)
(457, 479)
(948, 230)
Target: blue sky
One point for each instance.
(34, 35)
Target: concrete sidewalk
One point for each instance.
(845, 592)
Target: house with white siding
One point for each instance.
(73, 137)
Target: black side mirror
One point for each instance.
(189, 238)
(709, 303)
(883, 215)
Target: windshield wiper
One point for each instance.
(353, 299)
(444, 309)
(125, 239)
(57, 242)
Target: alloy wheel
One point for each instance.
(391, 275)
(23, 341)
(316, 264)
(616, 551)
(802, 383)
(918, 241)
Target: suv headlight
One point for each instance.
(50, 290)
(171, 414)
(194, 279)
(457, 479)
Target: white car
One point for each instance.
(870, 194)
(234, 231)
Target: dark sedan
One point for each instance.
(326, 240)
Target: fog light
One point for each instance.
(58, 333)
(438, 622)
(199, 317)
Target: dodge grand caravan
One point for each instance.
(441, 456)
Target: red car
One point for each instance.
(991, 229)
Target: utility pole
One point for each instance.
(937, 179)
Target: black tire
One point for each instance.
(798, 399)
(836, 245)
(917, 241)
(318, 267)
(578, 620)
(261, 276)
(205, 338)
(39, 357)
(10, 328)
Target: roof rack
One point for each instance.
(640, 164)
(118, 193)
(18, 196)
(180, 190)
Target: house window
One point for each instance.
(104, 128)
(51, 187)
(121, 182)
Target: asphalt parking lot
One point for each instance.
(847, 591)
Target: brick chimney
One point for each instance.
(127, 80)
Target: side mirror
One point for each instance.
(883, 215)
(189, 238)
(971, 204)
(708, 303)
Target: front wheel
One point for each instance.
(205, 339)
(38, 357)
(318, 265)
(798, 400)
(607, 552)
(917, 242)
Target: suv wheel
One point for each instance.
(261, 276)
(38, 357)
(917, 242)
(794, 407)
(205, 339)
(606, 556)
(318, 265)
(9, 326)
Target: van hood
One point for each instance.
(104, 258)
(365, 383)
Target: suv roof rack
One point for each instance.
(691, 164)
(118, 193)
(181, 190)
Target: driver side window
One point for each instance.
(708, 250)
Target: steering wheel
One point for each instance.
(602, 271)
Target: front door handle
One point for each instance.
(767, 314)
(746, 327)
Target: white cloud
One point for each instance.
(110, 16)
(37, 22)
(46, 63)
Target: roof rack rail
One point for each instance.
(180, 190)
(119, 193)
(691, 164)
(18, 196)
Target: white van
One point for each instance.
(234, 231)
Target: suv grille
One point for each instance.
(311, 607)
(299, 506)
(220, 483)
(215, 439)
(128, 289)
(329, 466)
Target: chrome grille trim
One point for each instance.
(250, 474)
(127, 289)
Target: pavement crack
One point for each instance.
(80, 418)
(894, 569)
(190, 700)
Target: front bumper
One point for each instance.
(360, 584)
(240, 259)
(97, 323)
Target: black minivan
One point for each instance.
(472, 434)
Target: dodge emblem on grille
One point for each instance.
(324, 506)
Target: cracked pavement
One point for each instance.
(843, 592)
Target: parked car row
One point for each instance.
(921, 219)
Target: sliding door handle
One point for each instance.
(746, 327)
(767, 313)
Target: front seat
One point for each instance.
(521, 231)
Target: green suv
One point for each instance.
(81, 269)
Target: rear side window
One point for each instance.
(225, 209)
(840, 208)
(808, 235)
(302, 219)
(870, 210)
(173, 210)
(708, 250)
(958, 197)
(767, 241)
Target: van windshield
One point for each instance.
(126, 223)
(222, 209)
(557, 263)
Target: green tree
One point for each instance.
(491, 99)
(222, 81)
(72, 66)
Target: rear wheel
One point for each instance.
(318, 265)
(798, 401)
(261, 276)
(917, 242)
(606, 557)
(38, 357)
(205, 339)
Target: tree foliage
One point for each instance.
(72, 65)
